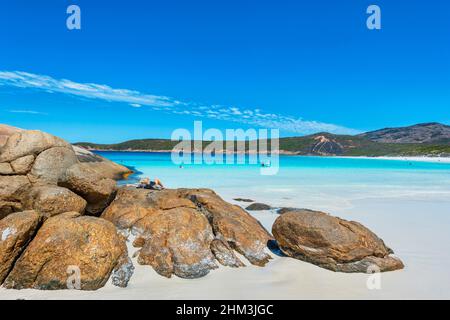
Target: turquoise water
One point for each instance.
(314, 182)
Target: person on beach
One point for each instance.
(146, 183)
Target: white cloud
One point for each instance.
(27, 111)
(136, 99)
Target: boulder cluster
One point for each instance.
(61, 213)
(49, 203)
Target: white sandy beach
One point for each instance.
(423, 159)
(417, 230)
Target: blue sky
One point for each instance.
(154, 66)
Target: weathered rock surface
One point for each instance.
(52, 200)
(177, 241)
(129, 206)
(95, 189)
(23, 165)
(5, 132)
(183, 231)
(8, 207)
(225, 255)
(332, 243)
(258, 207)
(11, 187)
(232, 225)
(52, 163)
(32, 163)
(30, 142)
(101, 165)
(5, 168)
(16, 231)
(69, 242)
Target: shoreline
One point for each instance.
(426, 158)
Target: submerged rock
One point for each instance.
(332, 243)
(68, 246)
(258, 207)
(287, 209)
(243, 200)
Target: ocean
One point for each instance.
(323, 183)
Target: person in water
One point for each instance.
(146, 183)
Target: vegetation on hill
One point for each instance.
(317, 144)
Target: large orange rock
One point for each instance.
(67, 244)
(332, 243)
(104, 167)
(87, 183)
(16, 231)
(177, 241)
(129, 206)
(32, 142)
(233, 225)
(51, 200)
(181, 231)
(52, 163)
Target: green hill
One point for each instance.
(317, 144)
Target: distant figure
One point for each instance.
(146, 183)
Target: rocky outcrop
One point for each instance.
(22, 165)
(332, 243)
(5, 132)
(53, 200)
(129, 206)
(225, 255)
(51, 164)
(16, 231)
(258, 207)
(232, 224)
(101, 165)
(32, 164)
(95, 189)
(68, 246)
(11, 190)
(30, 142)
(183, 231)
(176, 241)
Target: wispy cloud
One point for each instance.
(27, 112)
(137, 99)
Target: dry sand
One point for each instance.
(416, 230)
